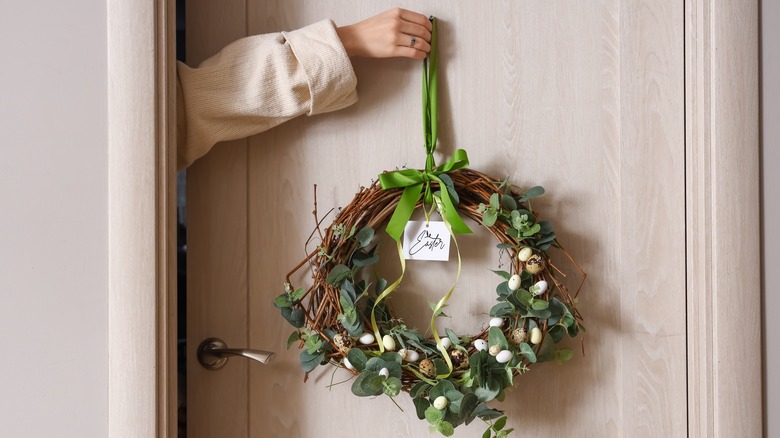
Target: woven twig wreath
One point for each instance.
(533, 311)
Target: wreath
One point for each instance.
(344, 318)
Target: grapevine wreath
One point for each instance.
(344, 319)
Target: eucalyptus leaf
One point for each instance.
(503, 290)
(454, 398)
(293, 338)
(487, 392)
(557, 332)
(361, 259)
(357, 358)
(528, 352)
(533, 230)
(453, 337)
(441, 389)
(503, 274)
(494, 204)
(502, 310)
(310, 361)
(364, 236)
(420, 406)
(540, 305)
(499, 424)
(373, 384)
(337, 274)
(348, 289)
(381, 285)
(468, 403)
(489, 217)
(541, 314)
(313, 344)
(282, 301)
(565, 354)
(533, 192)
(486, 413)
(419, 389)
(357, 385)
(294, 316)
(511, 232)
(508, 202)
(496, 337)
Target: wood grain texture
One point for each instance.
(141, 217)
(585, 99)
(652, 247)
(722, 184)
(217, 251)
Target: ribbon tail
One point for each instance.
(386, 293)
(442, 302)
(403, 211)
(450, 213)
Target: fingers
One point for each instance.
(409, 52)
(394, 33)
(415, 30)
(420, 44)
(414, 17)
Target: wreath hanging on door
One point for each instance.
(344, 319)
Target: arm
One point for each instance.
(259, 82)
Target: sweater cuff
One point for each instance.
(329, 72)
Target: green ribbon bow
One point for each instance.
(416, 182)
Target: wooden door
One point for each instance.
(584, 98)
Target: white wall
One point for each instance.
(53, 219)
(770, 40)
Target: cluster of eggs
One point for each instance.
(533, 263)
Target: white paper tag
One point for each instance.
(426, 241)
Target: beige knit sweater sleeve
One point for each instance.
(259, 82)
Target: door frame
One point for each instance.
(722, 195)
(142, 373)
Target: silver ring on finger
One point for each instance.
(412, 41)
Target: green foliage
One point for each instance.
(485, 379)
(288, 302)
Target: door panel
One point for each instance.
(584, 98)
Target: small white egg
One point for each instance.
(536, 336)
(388, 342)
(514, 282)
(403, 352)
(446, 342)
(524, 254)
(366, 338)
(441, 402)
(504, 356)
(384, 372)
(348, 364)
(412, 356)
(541, 287)
(496, 322)
(480, 344)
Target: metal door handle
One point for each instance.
(213, 354)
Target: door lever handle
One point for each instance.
(213, 354)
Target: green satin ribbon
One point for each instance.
(416, 184)
(440, 305)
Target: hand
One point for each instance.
(387, 35)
